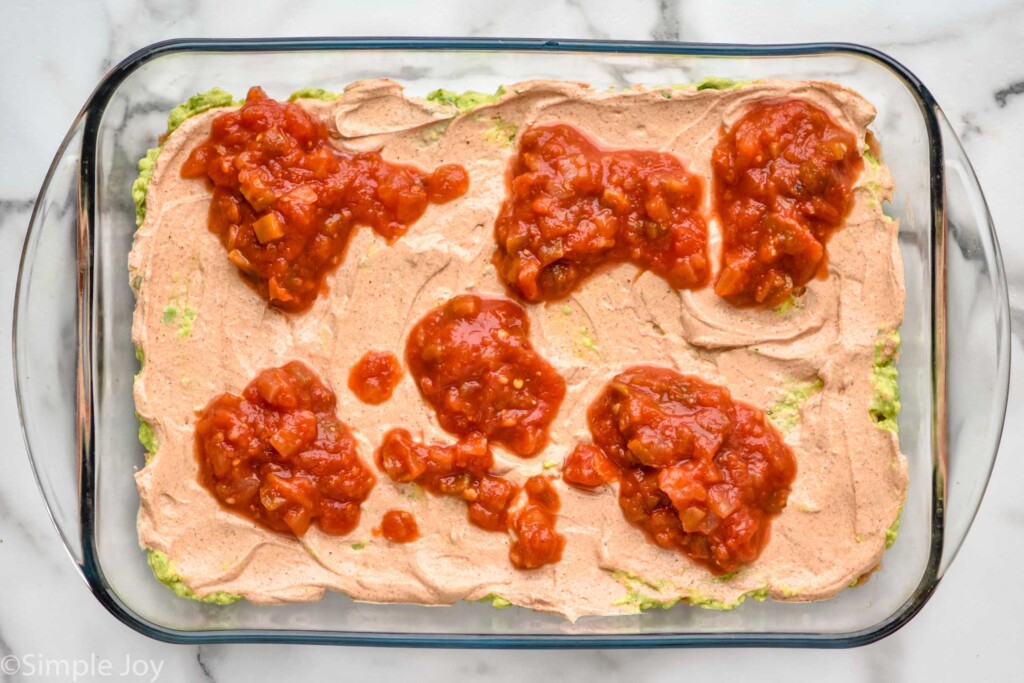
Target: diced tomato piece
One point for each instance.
(447, 183)
(268, 228)
(588, 467)
(399, 526)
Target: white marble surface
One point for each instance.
(969, 54)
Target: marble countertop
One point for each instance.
(969, 54)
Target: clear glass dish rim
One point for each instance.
(90, 567)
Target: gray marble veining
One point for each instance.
(1003, 95)
(203, 666)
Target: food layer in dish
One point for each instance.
(820, 365)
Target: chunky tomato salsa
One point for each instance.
(285, 200)
(536, 542)
(573, 206)
(278, 454)
(783, 179)
(697, 470)
(462, 470)
(473, 362)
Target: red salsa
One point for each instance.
(399, 526)
(697, 471)
(462, 470)
(573, 206)
(536, 541)
(374, 377)
(587, 467)
(473, 362)
(783, 179)
(279, 455)
(285, 199)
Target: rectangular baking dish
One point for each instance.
(74, 359)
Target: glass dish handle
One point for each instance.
(977, 331)
(46, 352)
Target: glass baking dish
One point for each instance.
(74, 359)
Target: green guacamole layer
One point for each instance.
(465, 101)
(313, 94)
(497, 602)
(716, 83)
(785, 413)
(885, 404)
(194, 105)
(645, 594)
(164, 572)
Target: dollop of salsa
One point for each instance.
(399, 526)
(285, 200)
(783, 179)
(573, 206)
(473, 362)
(537, 543)
(698, 471)
(374, 377)
(462, 470)
(278, 454)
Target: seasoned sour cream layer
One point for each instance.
(204, 331)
